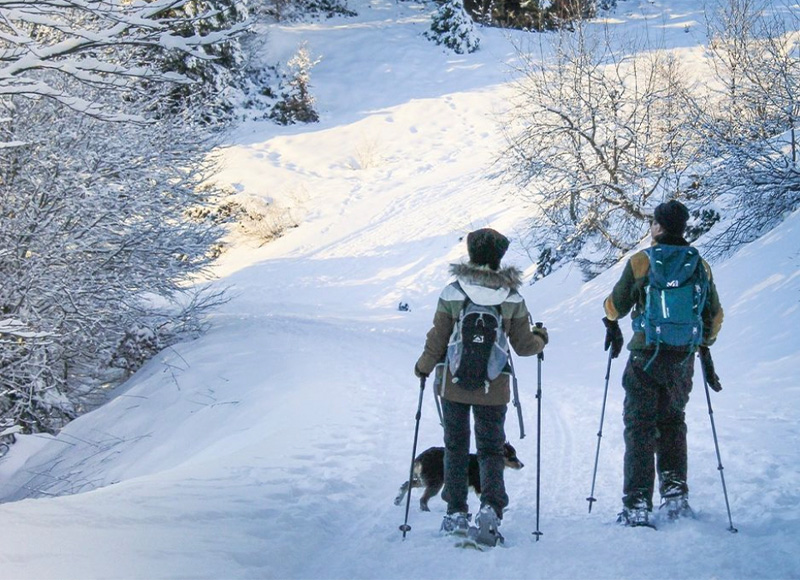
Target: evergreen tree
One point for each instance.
(453, 27)
(297, 103)
(214, 68)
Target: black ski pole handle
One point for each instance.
(541, 354)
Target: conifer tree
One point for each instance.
(453, 27)
(297, 102)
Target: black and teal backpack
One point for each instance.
(676, 293)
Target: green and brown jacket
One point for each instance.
(486, 287)
(629, 295)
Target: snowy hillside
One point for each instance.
(273, 446)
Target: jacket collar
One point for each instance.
(670, 240)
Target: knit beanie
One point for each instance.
(487, 247)
(672, 217)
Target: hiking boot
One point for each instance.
(488, 522)
(636, 516)
(456, 524)
(676, 507)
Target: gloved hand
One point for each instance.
(614, 337)
(419, 373)
(708, 369)
(541, 332)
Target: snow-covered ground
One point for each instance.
(273, 446)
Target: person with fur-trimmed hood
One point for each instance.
(484, 282)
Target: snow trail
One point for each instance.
(273, 446)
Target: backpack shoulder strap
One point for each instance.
(453, 292)
(454, 298)
(463, 296)
(640, 263)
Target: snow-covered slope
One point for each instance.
(272, 447)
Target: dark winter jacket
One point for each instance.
(486, 287)
(629, 295)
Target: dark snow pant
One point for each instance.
(655, 426)
(489, 439)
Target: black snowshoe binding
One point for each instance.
(675, 507)
(456, 524)
(633, 517)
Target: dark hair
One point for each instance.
(487, 247)
(672, 217)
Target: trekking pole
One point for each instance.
(591, 497)
(540, 358)
(405, 528)
(716, 446)
(517, 404)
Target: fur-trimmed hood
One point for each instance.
(506, 277)
(484, 285)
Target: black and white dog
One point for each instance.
(429, 473)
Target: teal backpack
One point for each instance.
(675, 296)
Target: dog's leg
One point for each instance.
(429, 492)
(401, 494)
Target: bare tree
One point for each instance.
(597, 136)
(29, 398)
(97, 254)
(751, 125)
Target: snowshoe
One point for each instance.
(486, 533)
(634, 517)
(675, 507)
(469, 540)
(456, 524)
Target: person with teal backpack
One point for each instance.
(675, 310)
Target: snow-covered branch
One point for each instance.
(99, 44)
(96, 253)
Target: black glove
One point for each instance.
(419, 373)
(708, 369)
(613, 337)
